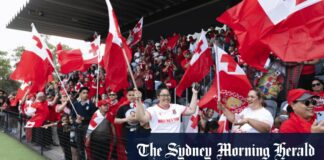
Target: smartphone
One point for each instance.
(319, 116)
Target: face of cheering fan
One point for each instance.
(104, 108)
(317, 86)
(304, 109)
(130, 96)
(253, 98)
(164, 97)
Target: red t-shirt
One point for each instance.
(148, 78)
(308, 69)
(53, 115)
(171, 83)
(184, 62)
(41, 113)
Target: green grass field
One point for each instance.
(11, 149)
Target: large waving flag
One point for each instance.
(35, 65)
(79, 59)
(199, 65)
(116, 52)
(136, 34)
(232, 96)
(292, 29)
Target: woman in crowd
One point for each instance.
(302, 118)
(164, 117)
(317, 86)
(254, 118)
(318, 90)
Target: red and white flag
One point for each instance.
(113, 60)
(199, 65)
(232, 96)
(36, 64)
(192, 126)
(136, 34)
(96, 119)
(79, 59)
(291, 29)
(223, 124)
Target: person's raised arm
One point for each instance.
(140, 112)
(227, 113)
(193, 103)
(52, 103)
(61, 107)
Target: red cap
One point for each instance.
(298, 95)
(104, 102)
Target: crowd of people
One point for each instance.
(285, 99)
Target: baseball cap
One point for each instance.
(298, 95)
(104, 102)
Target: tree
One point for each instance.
(5, 68)
(5, 71)
(15, 57)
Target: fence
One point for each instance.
(55, 142)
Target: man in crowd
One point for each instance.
(126, 117)
(85, 109)
(101, 131)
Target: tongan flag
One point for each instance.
(114, 60)
(232, 96)
(292, 29)
(35, 65)
(199, 65)
(136, 34)
(79, 59)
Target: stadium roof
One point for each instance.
(79, 19)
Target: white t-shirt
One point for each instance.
(165, 120)
(260, 114)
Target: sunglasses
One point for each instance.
(164, 95)
(111, 94)
(316, 84)
(309, 102)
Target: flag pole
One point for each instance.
(69, 98)
(97, 99)
(129, 68)
(217, 76)
(186, 96)
(217, 72)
